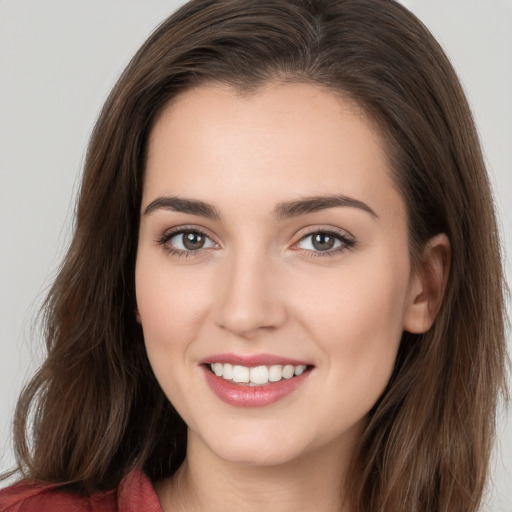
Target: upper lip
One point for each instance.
(252, 360)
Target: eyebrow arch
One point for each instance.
(318, 203)
(179, 204)
(282, 211)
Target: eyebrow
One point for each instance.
(282, 211)
(317, 203)
(179, 204)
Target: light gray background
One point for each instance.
(59, 59)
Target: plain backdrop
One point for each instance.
(58, 61)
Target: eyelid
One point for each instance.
(324, 228)
(168, 234)
(347, 240)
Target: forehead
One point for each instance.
(283, 141)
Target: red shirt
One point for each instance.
(134, 494)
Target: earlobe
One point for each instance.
(137, 315)
(428, 285)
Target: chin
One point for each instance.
(253, 447)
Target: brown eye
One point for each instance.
(323, 241)
(193, 240)
(188, 240)
(327, 242)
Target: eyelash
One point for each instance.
(345, 242)
(168, 236)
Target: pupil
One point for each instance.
(193, 240)
(323, 241)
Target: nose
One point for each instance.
(249, 299)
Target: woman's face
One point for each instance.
(272, 242)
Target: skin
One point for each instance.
(258, 285)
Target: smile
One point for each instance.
(256, 375)
(254, 381)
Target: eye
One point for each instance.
(325, 242)
(186, 241)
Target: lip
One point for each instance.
(241, 395)
(252, 360)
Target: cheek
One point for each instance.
(167, 296)
(356, 301)
(356, 319)
(170, 303)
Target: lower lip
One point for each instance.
(242, 395)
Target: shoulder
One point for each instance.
(40, 497)
(135, 493)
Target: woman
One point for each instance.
(284, 230)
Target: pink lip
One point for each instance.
(252, 360)
(252, 396)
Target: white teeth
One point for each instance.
(299, 370)
(275, 373)
(288, 371)
(217, 369)
(227, 371)
(256, 375)
(240, 373)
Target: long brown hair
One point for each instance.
(94, 410)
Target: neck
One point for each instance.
(205, 482)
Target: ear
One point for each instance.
(428, 285)
(137, 315)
